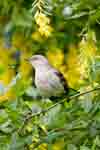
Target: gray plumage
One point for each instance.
(48, 80)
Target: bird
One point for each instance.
(48, 80)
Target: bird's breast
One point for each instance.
(40, 78)
(47, 83)
(42, 83)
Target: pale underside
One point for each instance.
(48, 83)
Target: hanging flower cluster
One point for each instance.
(42, 19)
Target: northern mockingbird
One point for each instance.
(49, 81)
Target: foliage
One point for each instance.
(67, 33)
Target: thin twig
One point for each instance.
(54, 105)
(76, 16)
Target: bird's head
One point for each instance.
(38, 61)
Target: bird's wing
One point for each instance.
(57, 81)
(62, 80)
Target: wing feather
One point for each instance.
(57, 81)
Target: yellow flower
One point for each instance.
(56, 57)
(9, 95)
(43, 22)
(87, 55)
(45, 30)
(25, 69)
(42, 147)
(6, 77)
(41, 19)
(37, 36)
(73, 67)
(88, 48)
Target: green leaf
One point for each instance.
(84, 148)
(3, 116)
(71, 147)
(19, 143)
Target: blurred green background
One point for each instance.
(67, 33)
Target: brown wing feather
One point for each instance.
(63, 81)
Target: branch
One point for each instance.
(82, 14)
(54, 105)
